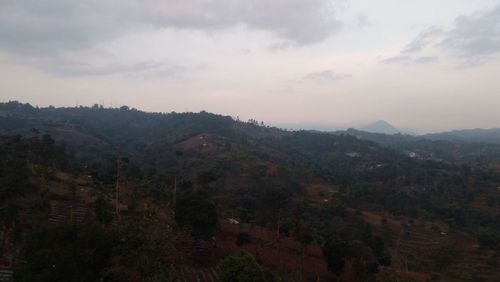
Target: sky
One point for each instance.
(423, 65)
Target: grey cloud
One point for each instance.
(422, 40)
(362, 21)
(300, 22)
(279, 46)
(44, 28)
(472, 39)
(397, 60)
(326, 75)
(47, 27)
(406, 60)
(44, 33)
(142, 69)
(426, 60)
(475, 35)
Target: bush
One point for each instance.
(241, 267)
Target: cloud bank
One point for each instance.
(46, 27)
(472, 39)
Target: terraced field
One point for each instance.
(193, 274)
(62, 211)
(417, 249)
(284, 253)
(6, 274)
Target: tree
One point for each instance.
(335, 251)
(15, 178)
(102, 210)
(241, 267)
(339, 253)
(198, 212)
(14, 183)
(364, 262)
(66, 253)
(142, 251)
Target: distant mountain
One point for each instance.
(380, 126)
(468, 135)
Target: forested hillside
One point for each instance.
(166, 195)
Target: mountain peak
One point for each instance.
(380, 126)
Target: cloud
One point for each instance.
(146, 69)
(426, 60)
(422, 40)
(300, 22)
(406, 60)
(326, 75)
(279, 46)
(397, 60)
(475, 35)
(47, 27)
(43, 28)
(362, 21)
(45, 33)
(472, 39)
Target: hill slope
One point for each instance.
(309, 187)
(468, 135)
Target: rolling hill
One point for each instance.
(391, 197)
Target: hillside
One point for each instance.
(379, 204)
(468, 135)
(454, 151)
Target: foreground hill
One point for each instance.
(371, 202)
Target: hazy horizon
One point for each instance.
(426, 66)
(318, 126)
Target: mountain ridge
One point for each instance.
(491, 135)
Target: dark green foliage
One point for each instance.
(240, 267)
(335, 252)
(195, 209)
(444, 256)
(14, 178)
(489, 238)
(351, 241)
(152, 188)
(102, 210)
(275, 198)
(206, 177)
(254, 173)
(364, 262)
(386, 278)
(66, 253)
(9, 212)
(141, 252)
(338, 253)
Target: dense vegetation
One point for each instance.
(150, 180)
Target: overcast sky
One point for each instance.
(422, 64)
